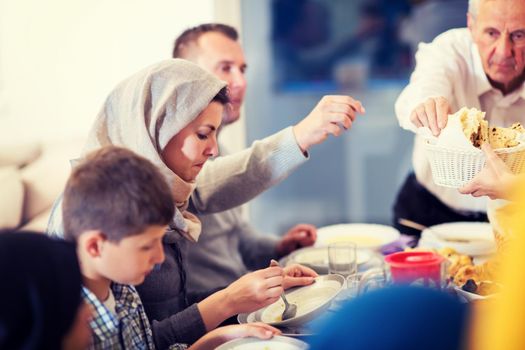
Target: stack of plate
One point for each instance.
(316, 258)
(470, 238)
(365, 236)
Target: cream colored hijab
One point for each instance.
(146, 110)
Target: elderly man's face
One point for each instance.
(499, 32)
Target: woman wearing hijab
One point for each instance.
(170, 113)
(40, 303)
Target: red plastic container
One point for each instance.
(418, 268)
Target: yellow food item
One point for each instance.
(478, 273)
(456, 261)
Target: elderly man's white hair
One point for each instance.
(473, 6)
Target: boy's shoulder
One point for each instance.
(126, 297)
(127, 322)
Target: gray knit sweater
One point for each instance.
(228, 248)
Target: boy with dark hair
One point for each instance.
(116, 208)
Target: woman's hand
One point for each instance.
(251, 292)
(331, 116)
(255, 290)
(298, 275)
(493, 181)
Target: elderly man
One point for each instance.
(229, 245)
(480, 66)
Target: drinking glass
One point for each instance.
(342, 258)
(352, 285)
(372, 279)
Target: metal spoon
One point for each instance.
(290, 310)
(417, 226)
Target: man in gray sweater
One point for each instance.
(230, 246)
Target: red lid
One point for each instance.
(411, 259)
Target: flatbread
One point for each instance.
(505, 137)
(478, 132)
(475, 127)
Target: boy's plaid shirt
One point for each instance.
(129, 329)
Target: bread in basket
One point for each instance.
(455, 157)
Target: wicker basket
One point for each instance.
(454, 168)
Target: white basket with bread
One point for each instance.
(455, 156)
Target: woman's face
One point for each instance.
(186, 153)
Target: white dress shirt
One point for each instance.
(451, 67)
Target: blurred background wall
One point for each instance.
(300, 50)
(60, 58)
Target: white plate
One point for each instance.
(301, 331)
(473, 296)
(275, 343)
(317, 258)
(468, 295)
(365, 236)
(480, 232)
(311, 301)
